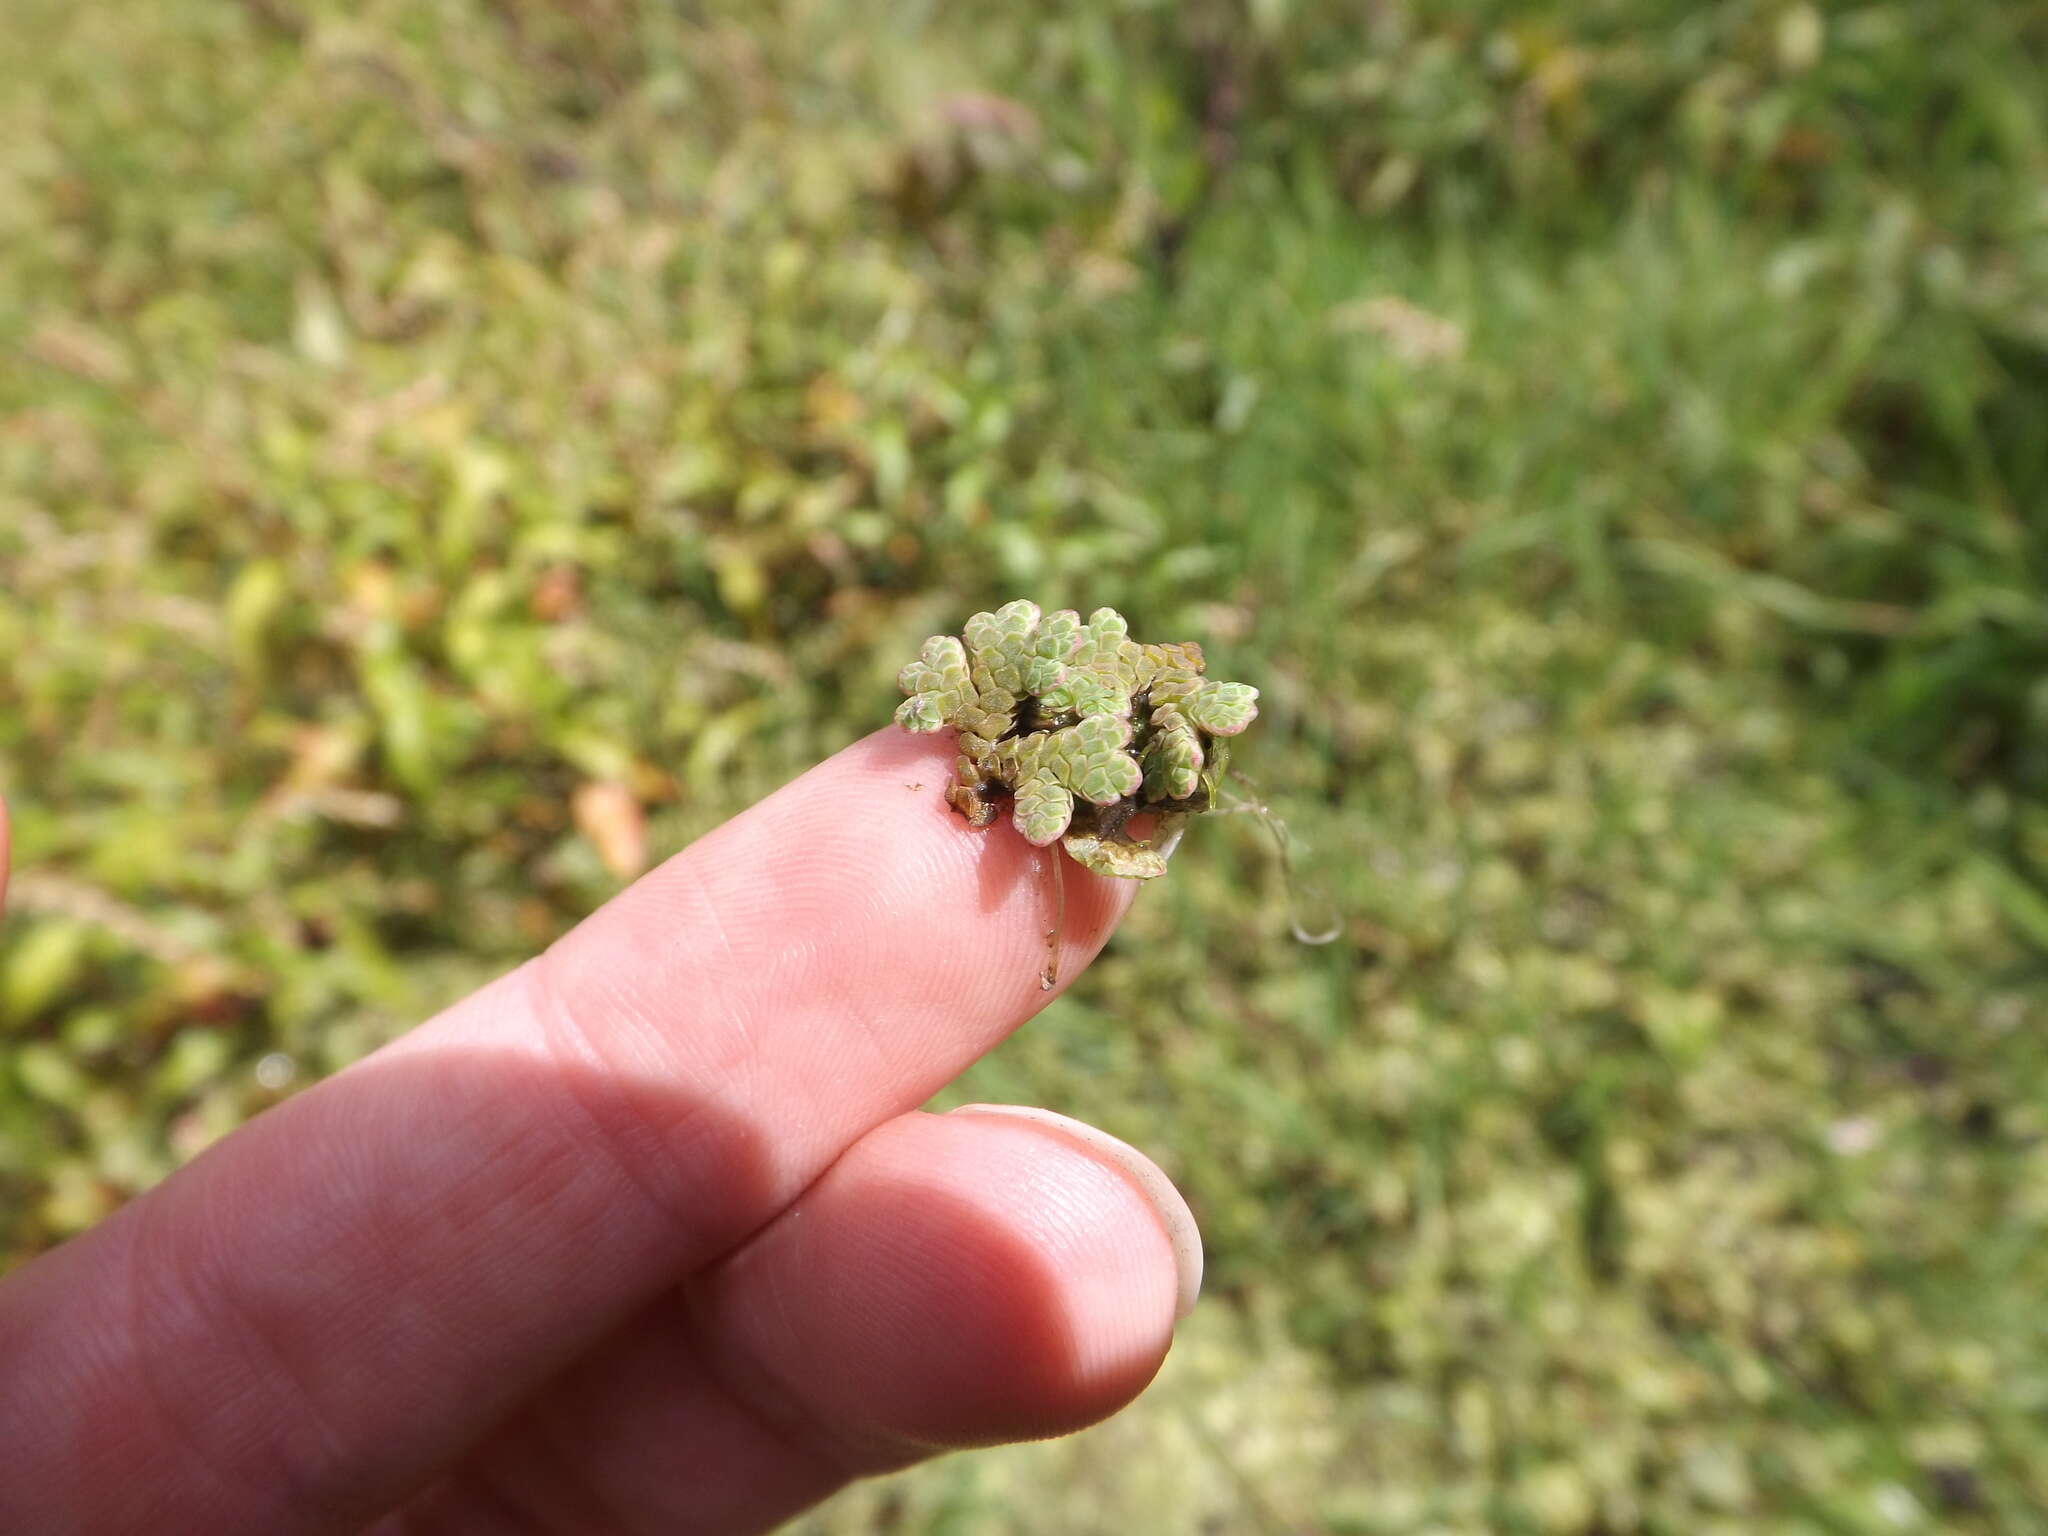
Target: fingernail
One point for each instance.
(1181, 1232)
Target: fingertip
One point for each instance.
(854, 888)
(953, 1281)
(1168, 1205)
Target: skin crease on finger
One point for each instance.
(351, 1292)
(951, 1281)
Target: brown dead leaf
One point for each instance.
(986, 112)
(77, 348)
(557, 594)
(606, 813)
(1411, 332)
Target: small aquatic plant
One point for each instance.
(1087, 737)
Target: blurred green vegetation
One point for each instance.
(436, 437)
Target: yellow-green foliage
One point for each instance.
(451, 453)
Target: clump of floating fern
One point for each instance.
(1079, 729)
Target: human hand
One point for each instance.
(646, 1235)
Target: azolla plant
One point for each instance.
(1090, 739)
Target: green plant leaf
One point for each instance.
(1113, 857)
(1173, 764)
(938, 684)
(1223, 709)
(1044, 808)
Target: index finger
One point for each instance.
(351, 1290)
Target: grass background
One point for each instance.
(451, 451)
